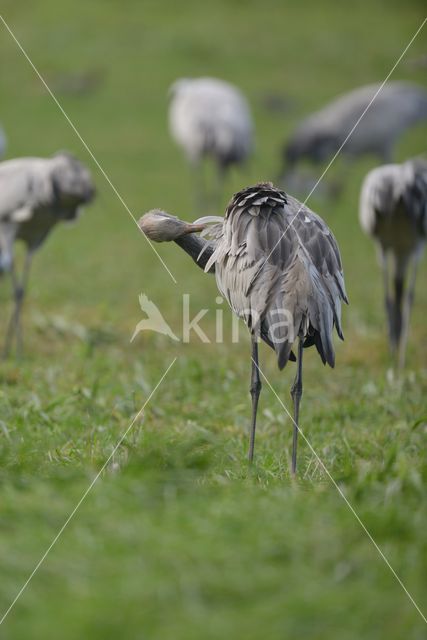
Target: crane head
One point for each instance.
(160, 226)
(71, 182)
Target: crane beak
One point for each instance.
(194, 228)
(160, 226)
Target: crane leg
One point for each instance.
(399, 289)
(255, 390)
(406, 314)
(389, 305)
(296, 393)
(14, 328)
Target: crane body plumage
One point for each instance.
(210, 118)
(35, 194)
(277, 262)
(279, 267)
(387, 111)
(393, 211)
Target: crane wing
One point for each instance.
(279, 267)
(392, 190)
(24, 184)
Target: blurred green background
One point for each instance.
(179, 538)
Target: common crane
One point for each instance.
(278, 265)
(396, 107)
(393, 211)
(35, 194)
(210, 118)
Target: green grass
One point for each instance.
(179, 538)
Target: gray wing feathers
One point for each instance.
(415, 194)
(377, 196)
(394, 187)
(24, 184)
(280, 269)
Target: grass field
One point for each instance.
(179, 538)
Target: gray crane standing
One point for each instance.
(35, 194)
(278, 265)
(393, 210)
(396, 107)
(210, 118)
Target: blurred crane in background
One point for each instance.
(210, 118)
(278, 265)
(35, 194)
(3, 142)
(393, 210)
(396, 107)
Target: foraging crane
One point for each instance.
(393, 210)
(397, 107)
(210, 118)
(278, 265)
(35, 194)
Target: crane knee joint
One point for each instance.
(255, 388)
(296, 391)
